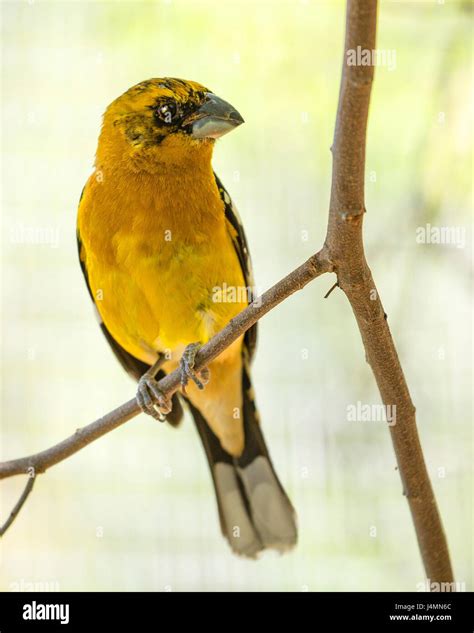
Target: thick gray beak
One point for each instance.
(214, 118)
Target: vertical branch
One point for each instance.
(344, 242)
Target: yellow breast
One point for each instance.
(160, 259)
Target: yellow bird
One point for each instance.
(166, 262)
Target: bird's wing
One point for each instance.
(237, 234)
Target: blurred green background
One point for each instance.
(136, 510)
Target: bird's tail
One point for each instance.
(254, 510)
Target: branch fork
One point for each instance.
(342, 253)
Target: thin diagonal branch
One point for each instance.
(296, 280)
(19, 504)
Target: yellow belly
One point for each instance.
(151, 305)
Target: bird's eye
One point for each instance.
(166, 112)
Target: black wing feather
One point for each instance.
(243, 253)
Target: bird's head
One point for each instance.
(165, 121)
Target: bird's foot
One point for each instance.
(151, 399)
(186, 367)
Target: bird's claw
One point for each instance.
(186, 367)
(151, 399)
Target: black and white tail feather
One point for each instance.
(254, 510)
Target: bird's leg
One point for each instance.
(150, 398)
(186, 367)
